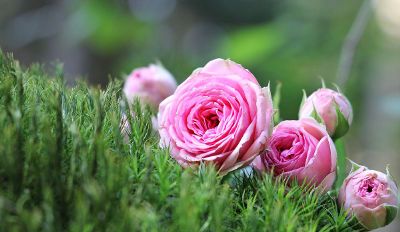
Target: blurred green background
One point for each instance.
(294, 42)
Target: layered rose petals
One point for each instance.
(300, 150)
(370, 196)
(219, 115)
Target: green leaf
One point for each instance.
(304, 99)
(342, 124)
(391, 212)
(276, 99)
(323, 83)
(341, 163)
(316, 116)
(387, 171)
(337, 88)
(390, 175)
(354, 166)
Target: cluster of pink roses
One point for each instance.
(220, 115)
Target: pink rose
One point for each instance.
(151, 84)
(370, 196)
(300, 150)
(219, 115)
(332, 108)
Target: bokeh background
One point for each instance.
(294, 42)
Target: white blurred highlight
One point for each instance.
(388, 15)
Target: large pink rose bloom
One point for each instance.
(219, 115)
(370, 196)
(326, 104)
(300, 150)
(151, 84)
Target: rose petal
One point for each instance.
(370, 218)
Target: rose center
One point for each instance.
(287, 148)
(370, 187)
(205, 122)
(211, 121)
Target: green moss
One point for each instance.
(64, 166)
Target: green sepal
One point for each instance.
(337, 88)
(322, 82)
(303, 100)
(341, 164)
(354, 166)
(159, 63)
(387, 171)
(342, 125)
(391, 212)
(316, 116)
(276, 100)
(390, 175)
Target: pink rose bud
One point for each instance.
(301, 150)
(151, 84)
(330, 108)
(219, 115)
(370, 196)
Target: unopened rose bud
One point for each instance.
(151, 84)
(331, 108)
(370, 196)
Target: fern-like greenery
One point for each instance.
(64, 166)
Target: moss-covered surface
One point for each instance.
(64, 166)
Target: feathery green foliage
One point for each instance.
(64, 166)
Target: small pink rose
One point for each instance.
(325, 104)
(151, 84)
(219, 115)
(370, 196)
(301, 150)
